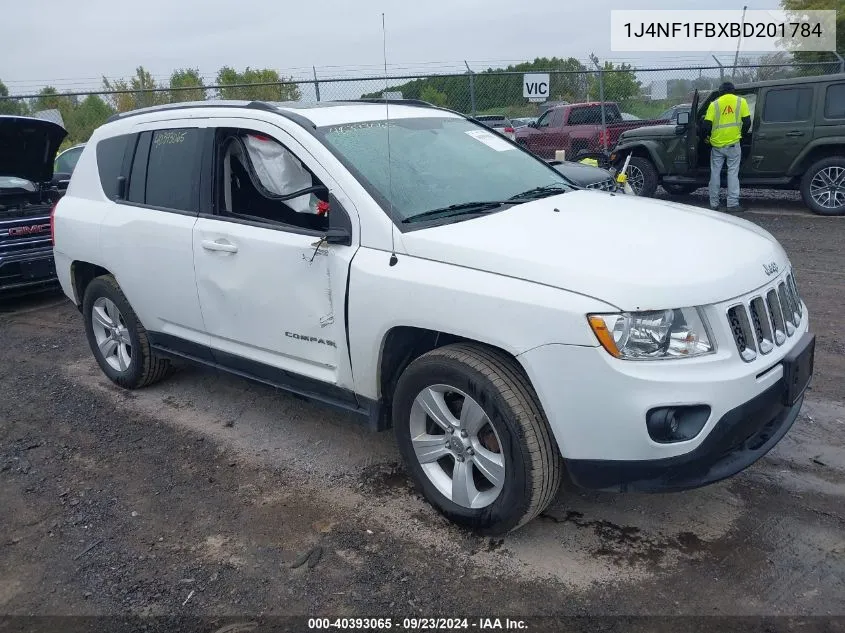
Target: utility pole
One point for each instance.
(739, 41)
(595, 61)
(471, 88)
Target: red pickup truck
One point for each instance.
(576, 128)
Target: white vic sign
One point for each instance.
(535, 86)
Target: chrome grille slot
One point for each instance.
(776, 316)
(762, 326)
(742, 332)
(796, 298)
(788, 311)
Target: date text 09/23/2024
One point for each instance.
(418, 624)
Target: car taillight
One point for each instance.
(602, 137)
(509, 130)
(53, 223)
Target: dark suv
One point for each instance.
(27, 193)
(797, 141)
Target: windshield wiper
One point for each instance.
(463, 208)
(540, 192)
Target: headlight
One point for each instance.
(655, 334)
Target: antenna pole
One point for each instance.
(393, 258)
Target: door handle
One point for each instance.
(795, 133)
(219, 245)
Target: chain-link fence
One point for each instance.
(640, 92)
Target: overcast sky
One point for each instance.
(71, 46)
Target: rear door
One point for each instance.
(146, 237)
(782, 129)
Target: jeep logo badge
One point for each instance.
(770, 269)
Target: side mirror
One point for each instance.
(340, 225)
(683, 118)
(339, 235)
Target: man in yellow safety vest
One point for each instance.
(727, 120)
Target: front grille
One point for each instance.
(603, 185)
(765, 321)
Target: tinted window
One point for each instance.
(834, 102)
(139, 168)
(110, 163)
(546, 119)
(171, 169)
(788, 104)
(66, 163)
(591, 115)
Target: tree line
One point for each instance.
(82, 115)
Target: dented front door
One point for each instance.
(272, 294)
(266, 295)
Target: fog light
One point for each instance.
(676, 424)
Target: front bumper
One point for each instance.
(27, 270)
(739, 438)
(597, 408)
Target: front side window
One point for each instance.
(262, 180)
(436, 162)
(788, 104)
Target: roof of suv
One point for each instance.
(792, 81)
(311, 115)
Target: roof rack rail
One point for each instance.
(257, 105)
(254, 105)
(412, 102)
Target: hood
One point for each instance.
(581, 174)
(633, 253)
(28, 147)
(648, 131)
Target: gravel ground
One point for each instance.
(200, 495)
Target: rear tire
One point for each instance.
(679, 190)
(499, 467)
(118, 340)
(643, 173)
(823, 186)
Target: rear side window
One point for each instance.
(171, 169)
(788, 104)
(834, 102)
(110, 162)
(165, 169)
(137, 184)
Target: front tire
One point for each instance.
(642, 176)
(117, 339)
(474, 438)
(823, 186)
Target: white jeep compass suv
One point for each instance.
(410, 266)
